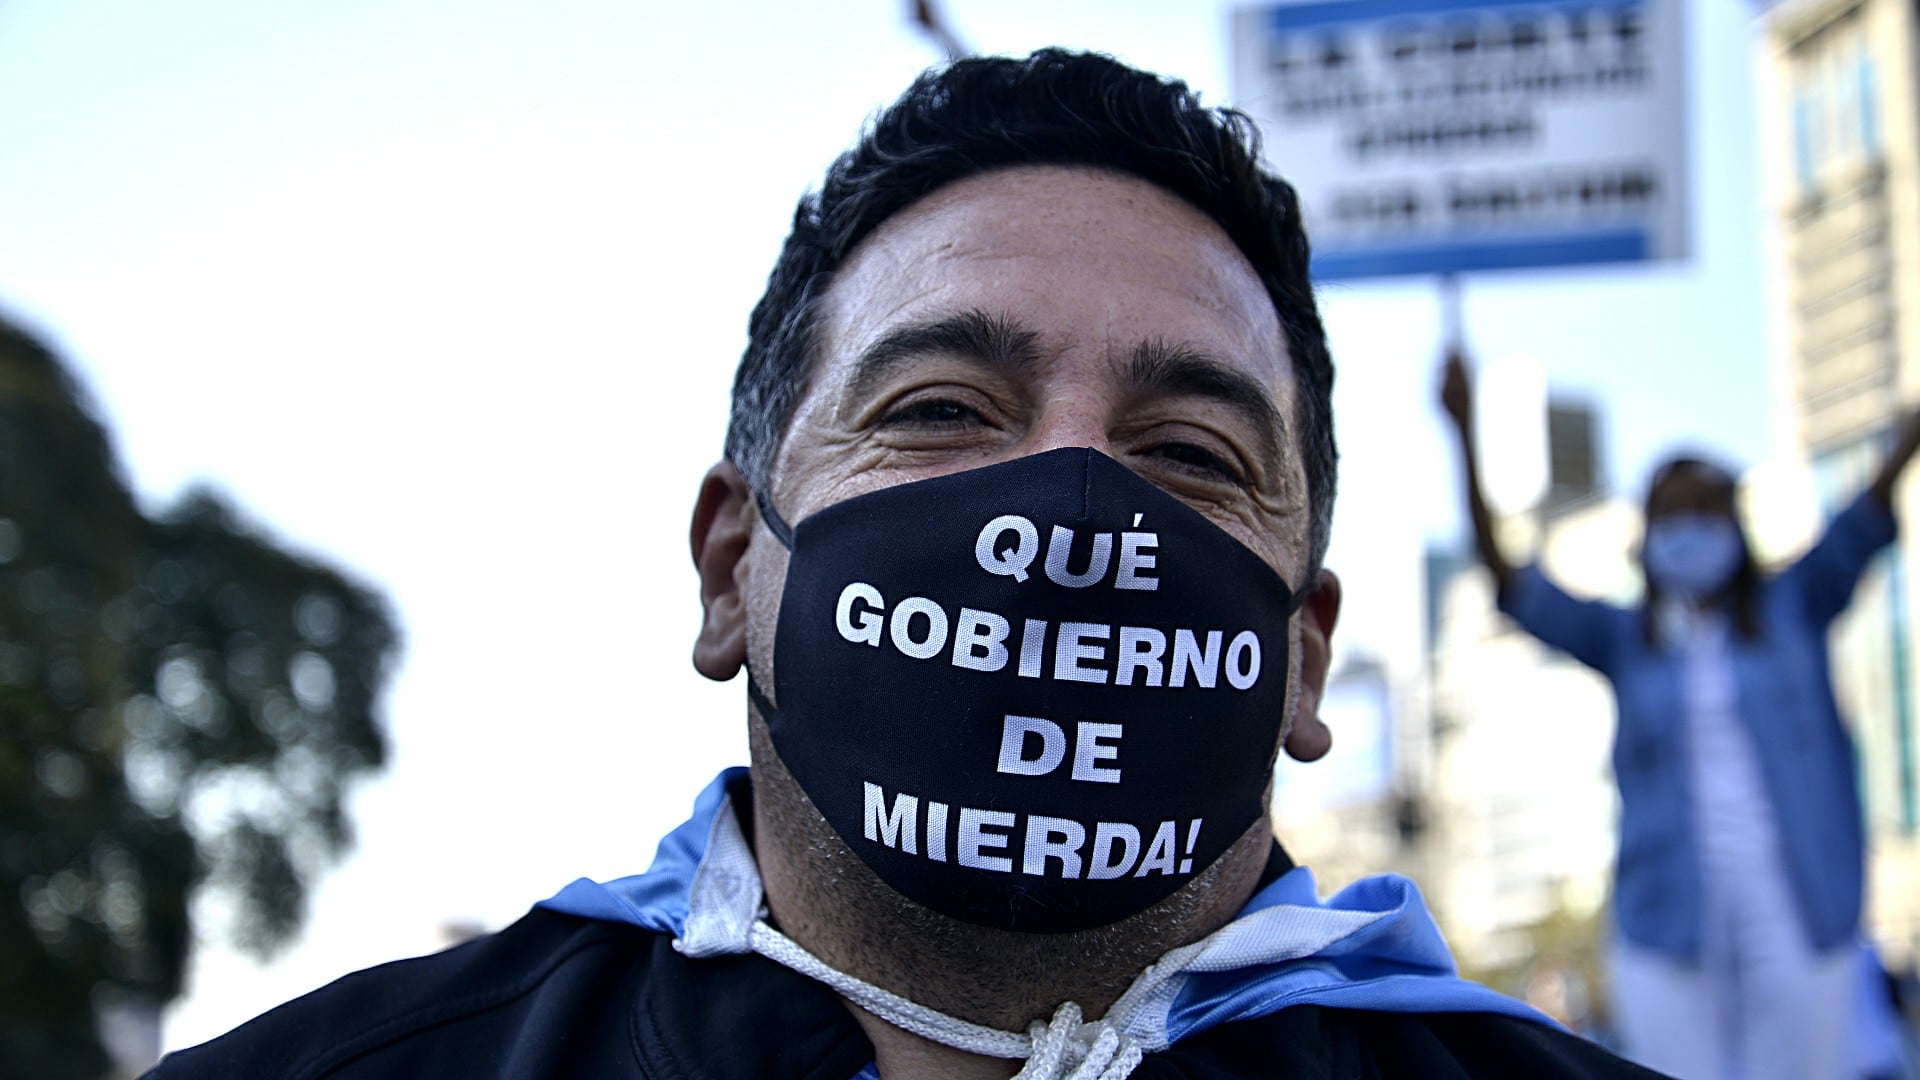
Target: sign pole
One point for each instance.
(1453, 336)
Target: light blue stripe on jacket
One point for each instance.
(1371, 946)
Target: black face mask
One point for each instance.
(1038, 696)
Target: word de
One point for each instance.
(1092, 743)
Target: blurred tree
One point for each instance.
(182, 705)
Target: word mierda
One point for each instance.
(1035, 844)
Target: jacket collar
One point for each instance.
(1371, 946)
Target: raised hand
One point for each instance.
(1456, 391)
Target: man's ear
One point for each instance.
(1308, 738)
(723, 518)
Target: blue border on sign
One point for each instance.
(1305, 16)
(1447, 258)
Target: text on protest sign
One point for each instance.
(1433, 136)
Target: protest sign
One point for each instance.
(1443, 136)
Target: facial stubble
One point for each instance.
(823, 896)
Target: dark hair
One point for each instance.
(1051, 108)
(1743, 591)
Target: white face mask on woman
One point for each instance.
(1693, 554)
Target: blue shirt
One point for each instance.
(1784, 699)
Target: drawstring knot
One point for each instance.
(1066, 1049)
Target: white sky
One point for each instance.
(450, 294)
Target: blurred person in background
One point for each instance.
(1040, 383)
(1739, 875)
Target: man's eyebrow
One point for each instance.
(1166, 368)
(975, 335)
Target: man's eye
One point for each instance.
(931, 412)
(1199, 460)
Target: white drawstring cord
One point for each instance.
(726, 916)
(1061, 1049)
(891, 1007)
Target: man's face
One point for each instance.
(1042, 307)
(1014, 313)
(1022, 311)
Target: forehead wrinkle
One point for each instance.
(974, 335)
(1160, 367)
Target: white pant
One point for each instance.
(1760, 1004)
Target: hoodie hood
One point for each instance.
(1371, 946)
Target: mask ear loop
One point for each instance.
(776, 524)
(760, 702)
(1296, 598)
(782, 532)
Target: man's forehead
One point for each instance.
(1026, 240)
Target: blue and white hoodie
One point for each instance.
(1372, 946)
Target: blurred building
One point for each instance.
(1521, 798)
(1343, 816)
(1484, 771)
(1838, 115)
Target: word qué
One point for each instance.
(1015, 561)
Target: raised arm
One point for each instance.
(1906, 441)
(1826, 575)
(1456, 397)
